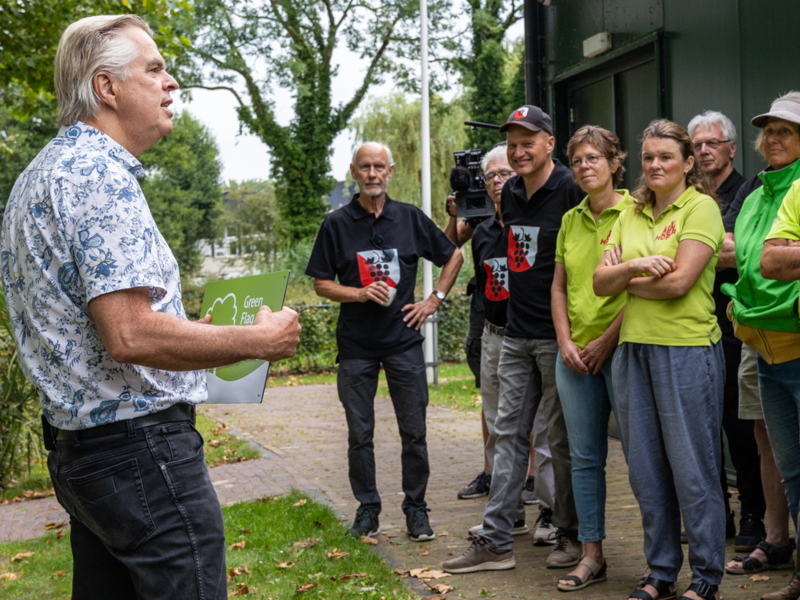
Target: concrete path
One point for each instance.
(304, 433)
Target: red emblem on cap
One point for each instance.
(521, 113)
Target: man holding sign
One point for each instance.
(93, 292)
(373, 246)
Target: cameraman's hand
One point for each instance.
(377, 292)
(280, 333)
(418, 312)
(451, 206)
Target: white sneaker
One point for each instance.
(545, 533)
(520, 528)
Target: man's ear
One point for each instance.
(733, 150)
(105, 86)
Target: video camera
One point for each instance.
(467, 181)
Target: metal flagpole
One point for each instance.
(427, 268)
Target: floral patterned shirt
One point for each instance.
(77, 226)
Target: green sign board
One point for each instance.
(236, 302)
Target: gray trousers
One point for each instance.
(669, 401)
(527, 379)
(491, 344)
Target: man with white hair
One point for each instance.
(373, 246)
(714, 138)
(94, 295)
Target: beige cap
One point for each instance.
(787, 109)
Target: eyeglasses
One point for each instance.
(503, 174)
(591, 160)
(711, 144)
(377, 241)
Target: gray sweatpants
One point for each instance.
(527, 372)
(669, 401)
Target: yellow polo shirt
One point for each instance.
(787, 225)
(688, 320)
(580, 246)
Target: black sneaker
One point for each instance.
(545, 530)
(365, 523)
(528, 497)
(419, 529)
(751, 532)
(477, 488)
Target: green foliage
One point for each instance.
(249, 212)
(20, 427)
(182, 187)
(317, 349)
(396, 121)
(453, 327)
(250, 49)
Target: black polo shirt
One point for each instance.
(726, 194)
(343, 250)
(531, 230)
(491, 270)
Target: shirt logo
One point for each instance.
(521, 113)
(496, 279)
(375, 265)
(522, 247)
(605, 241)
(668, 232)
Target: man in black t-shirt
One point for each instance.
(532, 204)
(373, 246)
(714, 138)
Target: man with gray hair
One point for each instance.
(373, 246)
(93, 292)
(714, 138)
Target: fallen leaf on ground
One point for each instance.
(318, 524)
(11, 576)
(304, 588)
(299, 545)
(214, 443)
(239, 545)
(753, 578)
(245, 570)
(244, 530)
(444, 533)
(349, 576)
(234, 571)
(242, 591)
(283, 565)
(425, 553)
(401, 572)
(59, 534)
(57, 525)
(463, 387)
(334, 554)
(744, 586)
(21, 555)
(300, 502)
(436, 598)
(441, 588)
(368, 540)
(426, 573)
(418, 572)
(60, 574)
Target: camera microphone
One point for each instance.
(460, 179)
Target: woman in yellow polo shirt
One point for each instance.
(669, 370)
(588, 327)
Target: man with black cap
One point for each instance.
(532, 203)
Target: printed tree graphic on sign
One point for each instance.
(224, 310)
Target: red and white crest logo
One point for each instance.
(523, 242)
(521, 112)
(377, 265)
(496, 279)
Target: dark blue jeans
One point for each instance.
(357, 383)
(145, 518)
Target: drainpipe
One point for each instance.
(533, 52)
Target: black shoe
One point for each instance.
(419, 529)
(365, 523)
(477, 488)
(730, 527)
(528, 497)
(751, 532)
(684, 539)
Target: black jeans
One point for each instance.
(472, 345)
(357, 383)
(146, 521)
(741, 439)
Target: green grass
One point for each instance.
(222, 447)
(37, 481)
(456, 386)
(274, 526)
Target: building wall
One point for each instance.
(735, 56)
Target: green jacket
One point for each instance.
(757, 302)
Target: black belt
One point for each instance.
(176, 412)
(501, 331)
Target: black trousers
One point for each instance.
(357, 383)
(741, 439)
(472, 345)
(145, 519)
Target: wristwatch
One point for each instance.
(440, 295)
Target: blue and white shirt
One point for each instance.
(77, 226)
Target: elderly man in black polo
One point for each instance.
(373, 246)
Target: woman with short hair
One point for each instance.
(587, 327)
(669, 370)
